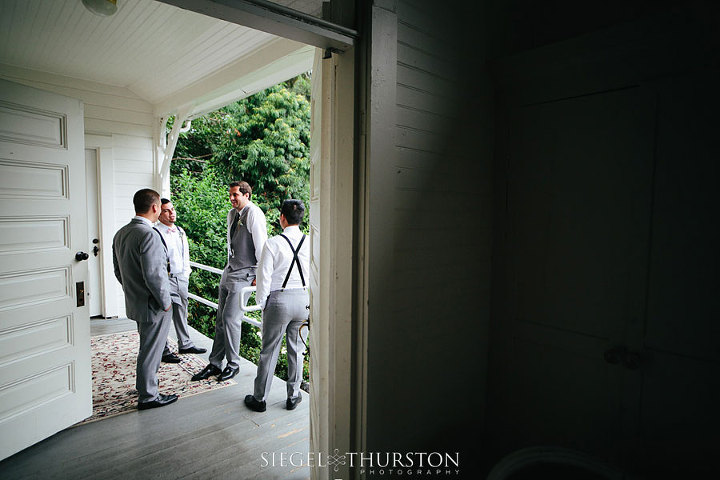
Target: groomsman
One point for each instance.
(282, 294)
(247, 233)
(179, 258)
(141, 267)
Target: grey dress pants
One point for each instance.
(284, 313)
(153, 332)
(228, 324)
(179, 297)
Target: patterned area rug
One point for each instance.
(113, 370)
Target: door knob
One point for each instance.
(621, 355)
(615, 355)
(80, 256)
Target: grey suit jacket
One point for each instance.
(140, 260)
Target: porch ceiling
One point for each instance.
(170, 57)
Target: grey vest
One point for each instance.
(241, 252)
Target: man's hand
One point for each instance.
(254, 282)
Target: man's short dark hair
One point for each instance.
(293, 211)
(244, 187)
(144, 199)
(164, 200)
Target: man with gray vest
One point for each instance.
(282, 279)
(141, 266)
(247, 233)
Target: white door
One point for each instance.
(94, 287)
(45, 377)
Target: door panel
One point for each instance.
(45, 378)
(579, 178)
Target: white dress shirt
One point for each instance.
(138, 217)
(178, 250)
(275, 262)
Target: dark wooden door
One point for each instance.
(577, 224)
(605, 334)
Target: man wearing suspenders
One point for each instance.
(179, 261)
(282, 278)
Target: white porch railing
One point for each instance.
(244, 296)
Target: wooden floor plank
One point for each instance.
(210, 435)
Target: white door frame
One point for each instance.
(103, 145)
(94, 287)
(332, 415)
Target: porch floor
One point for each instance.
(210, 436)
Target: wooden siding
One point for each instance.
(438, 283)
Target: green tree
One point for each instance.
(263, 139)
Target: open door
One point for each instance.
(319, 362)
(45, 377)
(331, 233)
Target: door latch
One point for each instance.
(80, 293)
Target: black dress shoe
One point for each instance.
(192, 349)
(253, 404)
(293, 402)
(210, 370)
(228, 373)
(160, 401)
(171, 358)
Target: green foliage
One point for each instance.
(263, 139)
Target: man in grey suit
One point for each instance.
(247, 233)
(141, 266)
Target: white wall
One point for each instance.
(120, 125)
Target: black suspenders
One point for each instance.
(294, 260)
(167, 260)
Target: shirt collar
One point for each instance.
(164, 228)
(246, 207)
(138, 217)
(291, 229)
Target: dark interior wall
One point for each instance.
(516, 26)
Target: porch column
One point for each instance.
(166, 144)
